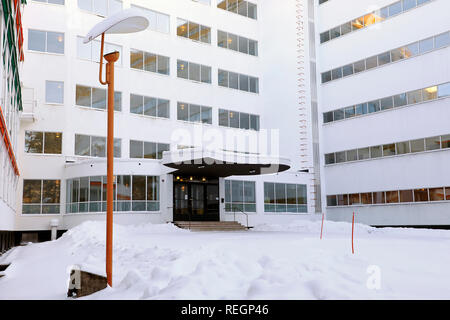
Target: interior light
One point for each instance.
(178, 178)
(60, 39)
(431, 89)
(203, 179)
(190, 178)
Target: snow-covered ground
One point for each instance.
(268, 262)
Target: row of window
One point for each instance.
(399, 100)
(150, 62)
(193, 31)
(101, 7)
(240, 196)
(237, 43)
(149, 106)
(241, 120)
(91, 51)
(389, 197)
(241, 7)
(94, 146)
(391, 149)
(284, 197)
(369, 19)
(238, 81)
(157, 21)
(405, 52)
(194, 113)
(193, 71)
(147, 150)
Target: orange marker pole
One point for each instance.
(353, 230)
(321, 228)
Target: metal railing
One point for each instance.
(234, 215)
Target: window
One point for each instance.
(241, 7)
(41, 197)
(147, 150)
(157, 21)
(51, 1)
(420, 195)
(193, 31)
(442, 40)
(240, 196)
(237, 43)
(331, 201)
(149, 62)
(54, 92)
(282, 197)
(92, 146)
(193, 71)
(96, 98)
(101, 7)
(239, 120)
(130, 193)
(43, 142)
(194, 113)
(238, 81)
(46, 41)
(149, 106)
(444, 90)
(406, 196)
(91, 51)
(433, 143)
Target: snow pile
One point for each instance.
(269, 262)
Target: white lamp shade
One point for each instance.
(126, 21)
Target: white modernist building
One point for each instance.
(221, 85)
(384, 88)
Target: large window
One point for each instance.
(96, 98)
(398, 100)
(147, 150)
(150, 62)
(241, 7)
(157, 21)
(92, 146)
(238, 81)
(41, 197)
(371, 18)
(402, 53)
(149, 106)
(193, 31)
(194, 113)
(237, 43)
(43, 142)
(54, 92)
(131, 193)
(240, 196)
(193, 71)
(390, 197)
(390, 149)
(46, 41)
(101, 7)
(284, 197)
(91, 51)
(239, 120)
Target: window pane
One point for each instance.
(150, 106)
(252, 10)
(354, 199)
(384, 58)
(242, 8)
(55, 42)
(336, 73)
(182, 69)
(136, 149)
(163, 65)
(342, 200)
(373, 106)
(34, 142)
(83, 96)
(206, 115)
(395, 8)
(243, 82)
(149, 62)
(359, 66)
(340, 157)
(223, 78)
(232, 42)
(254, 85)
(36, 40)
(139, 192)
(331, 201)
(366, 198)
(253, 47)
(371, 62)
(328, 117)
(205, 34)
(335, 32)
(375, 152)
(152, 188)
(352, 155)
(234, 119)
(433, 143)
(329, 158)
(442, 40)
(392, 196)
(194, 31)
(420, 195)
(338, 114)
(409, 4)
(53, 142)
(82, 145)
(389, 150)
(415, 96)
(223, 117)
(347, 70)
(136, 59)
(417, 145)
(206, 74)
(222, 39)
(349, 112)
(326, 76)
(437, 194)
(403, 147)
(136, 104)
(386, 103)
(444, 90)
(117, 101)
(324, 36)
(237, 191)
(412, 50)
(234, 80)
(117, 148)
(426, 45)
(244, 120)
(150, 151)
(430, 93)
(406, 196)
(379, 198)
(243, 45)
(32, 191)
(400, 100)
(363, 153)
(98, 98)
(163, 108)
(194, 113)
(182, 111)
(361, 109)
(445, 141)
(98, 147)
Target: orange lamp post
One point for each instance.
(127, 21)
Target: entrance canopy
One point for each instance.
(219, 163)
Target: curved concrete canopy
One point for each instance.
(218, 163)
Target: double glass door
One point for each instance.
(195, 201)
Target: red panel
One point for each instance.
(7, 141)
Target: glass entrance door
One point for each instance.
(195, 199)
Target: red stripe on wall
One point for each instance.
(7, 141)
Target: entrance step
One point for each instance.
(210, 225)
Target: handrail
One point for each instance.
(234, 215)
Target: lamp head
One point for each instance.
(126, 21)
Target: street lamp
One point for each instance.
(126, 21)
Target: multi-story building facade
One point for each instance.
(210, 79)
(10, 104)
(384, 88)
